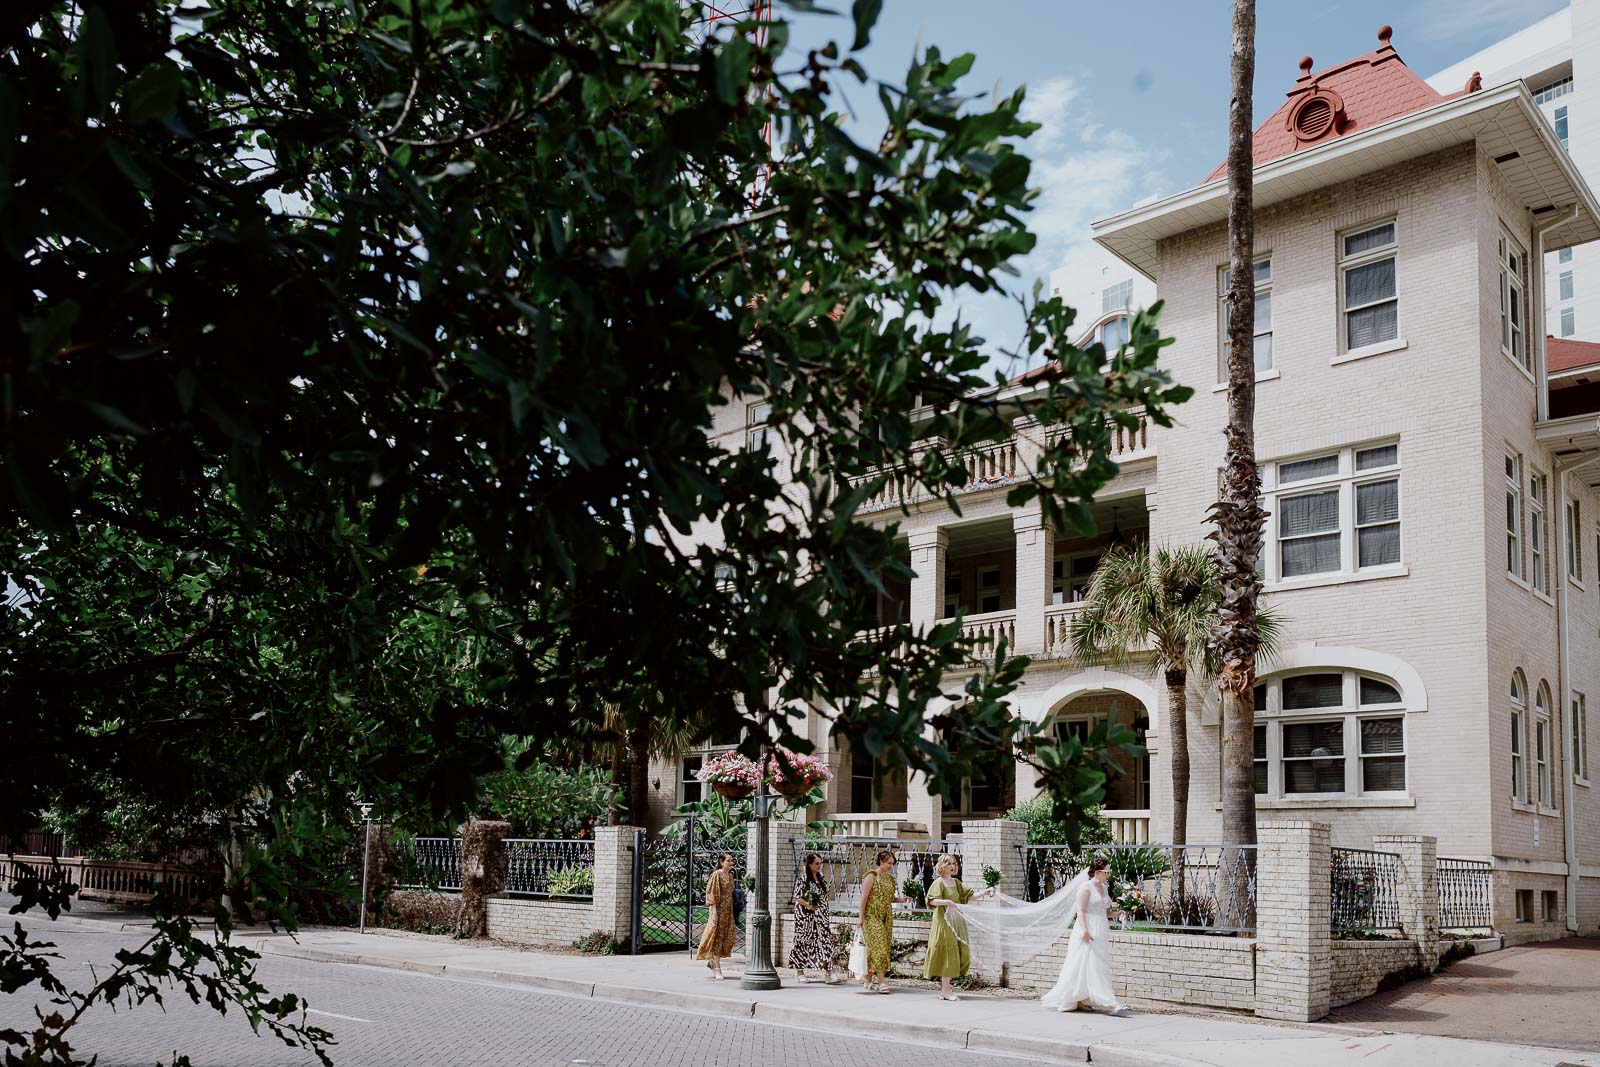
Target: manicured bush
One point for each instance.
(571, 881)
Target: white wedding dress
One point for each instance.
(1086, 973)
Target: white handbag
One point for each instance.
(858, 956)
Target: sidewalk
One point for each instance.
(977, 1022)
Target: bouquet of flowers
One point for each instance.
(991, 876)
(813, 896)
(1129, 899)
(730, 774)
(802, 773)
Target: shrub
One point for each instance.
(421, 912)
(542, 800)
(1045, 829)
(571, 881)
(598, 943)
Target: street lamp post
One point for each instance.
(760, 974)
(366, 853)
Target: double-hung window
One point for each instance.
(1513, 301)
(1579, 732)
(1263, 323)
(1569, 322)
(1369, 297)
(1334, 513)
(1538, 574)
(1514, 516)
(1519, 727)
(1561, 125)
(1541, 747)
(756, 430)
(1564, 285)
(1573, 540)
(1329, 733)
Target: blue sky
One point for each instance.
(1133, 96)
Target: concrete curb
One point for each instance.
(987, 1041)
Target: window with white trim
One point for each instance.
(1519, 733)
(1330, 733)
(1574, 540)
(1541, 746)
(1538, 573)
(756, 431)
(1114, 333)
(1569, 322)
(1514, 516)
(1564, 284)
(1116, 297)
(1263, 318)
(690, 789)
(1333, 513)
(1558, 88)
(1369, 301)
(1513, 300)
(1561, 125)
(1564, 256)
(1579, 731)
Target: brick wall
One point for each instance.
(1360, 966)
(546, 923)
(1157, 968)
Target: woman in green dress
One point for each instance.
(876, 922)
(948, 956)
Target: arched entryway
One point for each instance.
(1128, 779)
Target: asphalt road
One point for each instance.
(384, 1017)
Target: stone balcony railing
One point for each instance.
(1001, 464)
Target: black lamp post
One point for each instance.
(759, 973)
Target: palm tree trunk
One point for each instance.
(619, 782)
(639, 739)
(1238, 514)
(1178, 747)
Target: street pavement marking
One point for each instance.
(336, 1015)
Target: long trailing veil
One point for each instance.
(1002, 929)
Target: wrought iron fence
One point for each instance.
(1365, 891)
(848, 860)
(431, 863)
(549, 867)
(1210, 888)
(1465, 894)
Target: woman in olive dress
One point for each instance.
(814, 940)
(948, 956)
(876, 922)
(717, 941)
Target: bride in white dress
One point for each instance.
(1008, 930)
(1085, 980)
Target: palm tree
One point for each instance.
(1163, 601)
(1238, 513)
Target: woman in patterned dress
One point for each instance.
(717, 941)
(876, 922)
(814, 942)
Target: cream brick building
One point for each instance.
(1433, 539)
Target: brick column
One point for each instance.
(1294, 968)
(612, 908)
(928, 552)
(785, 849)
(1036, 544)
(994, 843)
(1418, 890)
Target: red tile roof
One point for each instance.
(1359, 93)
(1563, 353)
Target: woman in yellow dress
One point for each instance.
(876, 922)
(948, 956)
(717, 941)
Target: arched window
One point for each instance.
(1330, 733)
(1114, 334)
(1542, 746)
(1519, 726)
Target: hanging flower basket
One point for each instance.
(733, 790)
(733, 776)
(801, 775)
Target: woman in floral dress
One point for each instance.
(814, 941)
(717, 941)
(876, 922)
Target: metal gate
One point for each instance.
(670, 872)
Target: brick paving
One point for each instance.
(1542, 994)
(394, 1018)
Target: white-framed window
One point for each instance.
(1114, 333)
(1513, 300)
(1561, 125)
(1514, 516)
(1331, 513)
(1263, 321)
(1519, 735)
(989, 588)
(1329, 733)
(1541, 746)
(1564, 256)
(1546, 93)
(756, 431)
(1564, 283)
(1070, 576)
(1569, 322)
(1369, 302)
(1117, 297)
(1579, 731)
(1538, 573)
(690, 789)
(1574, 540)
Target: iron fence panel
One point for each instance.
(1202, 888)
(847, 860)
(1365, 891)
(549, 867)
(1465, 890)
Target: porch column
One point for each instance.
(923, 805)
(928, 551)
(1036, 544)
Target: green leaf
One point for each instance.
(733, 69)
(865, 15)
(153, 92)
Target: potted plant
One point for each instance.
(795, 775)
(733, 776)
